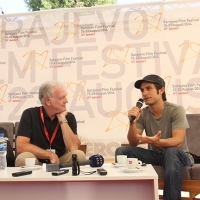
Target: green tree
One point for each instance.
(34, 5)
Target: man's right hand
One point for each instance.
(53, 158)
(135, 111)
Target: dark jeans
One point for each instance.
(172, 159)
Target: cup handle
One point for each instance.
(139, 163)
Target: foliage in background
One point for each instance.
(34, 5)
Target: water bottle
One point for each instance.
(3, 151)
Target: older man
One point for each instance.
(49, 132)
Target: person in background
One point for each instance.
(165, 126)
(48, 133)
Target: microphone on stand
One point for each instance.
(75, 165)
(94, 161)
(139, 104)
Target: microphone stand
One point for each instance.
(75, 165)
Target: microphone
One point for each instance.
(94, 161)
(139, 104)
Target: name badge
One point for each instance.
(52, 150)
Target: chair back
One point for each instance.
(193, 133)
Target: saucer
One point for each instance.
(133, 170)
(25, 168)
(118, 164)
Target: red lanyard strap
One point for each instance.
(45, 130)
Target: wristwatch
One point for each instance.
(63, 121)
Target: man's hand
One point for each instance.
(149, 140)
(135, 111)
(53, 158)
(61, 116)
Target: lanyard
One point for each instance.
(45, 130)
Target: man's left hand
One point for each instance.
(149, 140)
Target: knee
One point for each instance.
(80, 155)
(119, 151)
(170, 151)
(172, 155)
(20, 159)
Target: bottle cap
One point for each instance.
(1, 134)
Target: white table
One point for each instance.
(116, 185)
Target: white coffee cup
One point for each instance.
(121, 159)
(133, 163)
(30, 162)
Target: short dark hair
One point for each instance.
(158, 87)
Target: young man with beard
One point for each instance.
(165, 126)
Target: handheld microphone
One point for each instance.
(94, 161)
(139, 104)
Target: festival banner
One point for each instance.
(99, 53)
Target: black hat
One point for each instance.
(152, 78)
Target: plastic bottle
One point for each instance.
(3, 152)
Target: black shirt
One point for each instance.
(31, 126)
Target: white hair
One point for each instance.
(46, 89)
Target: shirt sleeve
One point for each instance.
(179, 120)
(25, 124)
(72, 122)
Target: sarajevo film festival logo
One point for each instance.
(65, 29)
(35, 59)
(192, 50)
(76, 89)
(118, 119)
(153, 22)
(116, 53)
(3, 89)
